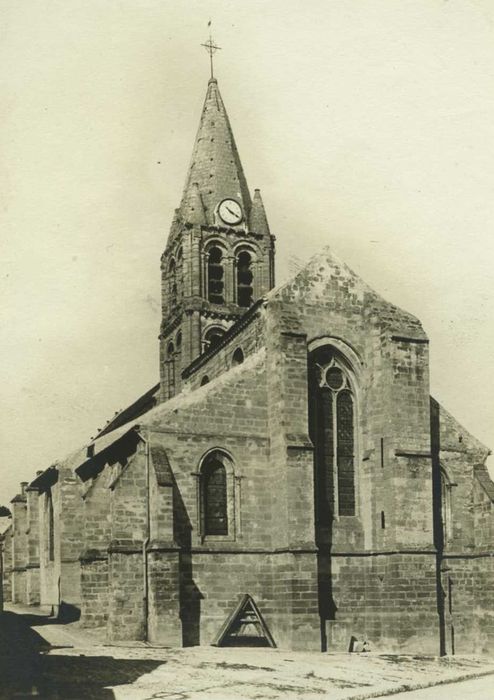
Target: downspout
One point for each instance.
(146, 540)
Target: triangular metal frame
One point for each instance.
(245, 606)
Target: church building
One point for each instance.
(289, 481)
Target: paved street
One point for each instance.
(477, 689)
(65, 662)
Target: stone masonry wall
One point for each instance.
(94, 555)
(387, 351)
(459, 453)
(250, 339)
(69, 537)
(49, 566)
(94, 592)
(126, 612)
(32, 564)
(19, 549)
(230, 413)
(468, 587)
(388, 600)
(7, 565)
(483, 518)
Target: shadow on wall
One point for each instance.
(190, 595)
(26, 670)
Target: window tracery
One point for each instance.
(333, 430)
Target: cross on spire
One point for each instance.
(211, 48)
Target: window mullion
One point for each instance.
(334, 396)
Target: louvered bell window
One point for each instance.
(245, 279)
(216, 294)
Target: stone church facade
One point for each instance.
(291, 452)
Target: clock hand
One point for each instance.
(233, 213)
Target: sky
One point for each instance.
(368, 125)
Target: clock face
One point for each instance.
(230, 211)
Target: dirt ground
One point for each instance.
(63, 662)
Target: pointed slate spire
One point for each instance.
(258, 220)
(215, 164)
(193, 207)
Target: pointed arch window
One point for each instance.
(216, 274)
(170, 362)
(333, 431)
(179, 273)
(245, 279)
(172, 283)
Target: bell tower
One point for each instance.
(219, 258)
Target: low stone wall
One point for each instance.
(94, 590)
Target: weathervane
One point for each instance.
(211, 48)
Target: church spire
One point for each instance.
(219, 258)
(215, 165)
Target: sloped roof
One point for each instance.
(121, 441)
(141, 405)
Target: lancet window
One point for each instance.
(216, 274)
(172, 283)
(245, 279)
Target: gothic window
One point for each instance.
(170, 362)
(245, 279)
(216, 272)
(205, 380)
(332, 424)
(51, 527)
(172, 282)
(212, 337)
(238, 357)
(446, 507)
(214, 496)
(179, 273)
